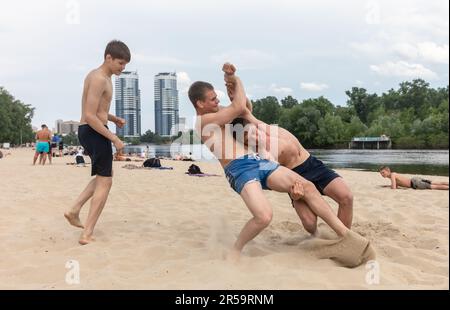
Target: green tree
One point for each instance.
(15, 119)
(289, 102)
(71, 139)
(355, 128)
(322, 104)
(386, 125)
(268, 110)
(415, 94)
(301, 122)
(331, 131)
(362, 102)
(413, 115)
(150, 137)
(345, 113)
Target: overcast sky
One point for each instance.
(281, 47)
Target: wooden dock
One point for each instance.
(371, 143)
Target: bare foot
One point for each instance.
(74, 219)
(233, 256)
(85, 239)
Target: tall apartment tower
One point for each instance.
(166, 104)
(128, 104)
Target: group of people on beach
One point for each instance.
(255, 157)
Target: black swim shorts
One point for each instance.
(316, 172)
(99, 149)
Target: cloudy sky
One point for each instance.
(281, 47)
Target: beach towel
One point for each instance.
(134, 167)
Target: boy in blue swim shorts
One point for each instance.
(249, 174)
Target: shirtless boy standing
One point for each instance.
(96, 138)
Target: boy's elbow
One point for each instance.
(90, 118)
(239, 108)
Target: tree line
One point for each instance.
(414, 116)
(15, 120)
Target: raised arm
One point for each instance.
(227, 114)
(230, 91)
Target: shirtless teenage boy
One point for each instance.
(96, 138)
(247, 173)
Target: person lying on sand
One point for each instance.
(398, 180)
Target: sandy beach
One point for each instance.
(168, 230)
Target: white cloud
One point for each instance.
(157, 60)
(247, 59)
(414, 19)
(434, 53)
(313, 86)
(416, 32)
(430, 52)
(403, 69)
(280, 90)
(370, 48)
(406, 50)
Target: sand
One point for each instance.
(166, 230)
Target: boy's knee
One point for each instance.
(310, 189)
(347, 199)
(264, 219)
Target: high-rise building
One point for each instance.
(182, 126)
(128, 104)
(65, 128)
(166, 104)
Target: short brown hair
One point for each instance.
(118, 50)
(197, 91)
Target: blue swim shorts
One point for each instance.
(42, 147)
(247, 169)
